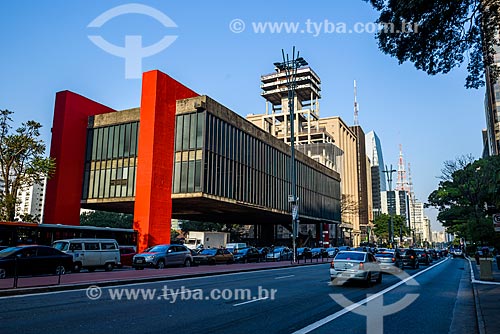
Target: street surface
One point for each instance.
(286, 300)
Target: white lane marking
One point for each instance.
(263, 270)
(340, 313)
(473, 276)
(251, 301)
(281, 277)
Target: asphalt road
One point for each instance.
(275, 301)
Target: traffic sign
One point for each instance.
(496, 222)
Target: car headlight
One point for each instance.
(149, 257)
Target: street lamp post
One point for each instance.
(290, 67)
(389, 172)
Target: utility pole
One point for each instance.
(290, 67)
(388, 173)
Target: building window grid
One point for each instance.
(243, 168)
(105, 155)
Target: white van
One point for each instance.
(235, 247)
(91, 253)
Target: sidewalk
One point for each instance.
(73, 281)
(487, 298)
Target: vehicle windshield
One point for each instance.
(208, 251)
(156, 249)
(62, 246)
(350, 256)
(8, 251)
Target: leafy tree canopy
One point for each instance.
(22, 161)
(439, 35)
(106, 219)
(381, 226)
(467, 197)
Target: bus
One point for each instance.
(19, 233)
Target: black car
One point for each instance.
(423, 257)
(304, 253)
(409, 258)
(33, 260)
(250, 254)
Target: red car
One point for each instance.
(126, 255)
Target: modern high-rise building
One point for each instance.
(374, 152)
(492, 110)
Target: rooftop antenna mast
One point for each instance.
(356, 106)
(401, 184)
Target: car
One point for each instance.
(304, 253)
(249, 254)
(126, 256)
(355, 265)
(389, 261)
(409, 258)
(235, 246)
(457, 252)
(332, 251)
(319, 253)
(160, 256)
(279, 254)
(33, 260)
(423, 256)
(213, 256)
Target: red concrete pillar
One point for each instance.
(69, 133)
(153, 193)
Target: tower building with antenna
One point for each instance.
(328, 140)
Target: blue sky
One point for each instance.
(46, 49)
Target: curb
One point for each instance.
(79, 286)
(479, 315)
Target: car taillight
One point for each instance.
(332, 265)
(393, 260)
(411, 257)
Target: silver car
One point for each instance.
(161, 256)
(279, 254)
(390, 261)
(355, 265)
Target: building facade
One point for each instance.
(492, 111)
(179, 155)
(377, 166)
(30, 202)
(327, 140)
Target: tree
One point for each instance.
(106, 219)
(440, 35)
(22, 161)
(381, 226)
(465, 198)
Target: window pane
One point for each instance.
(199, 130)
(179, 124)
(197, 176)
(192, 132)
(185, 133)
(184, 176)
(177, 178)
(190, 188)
